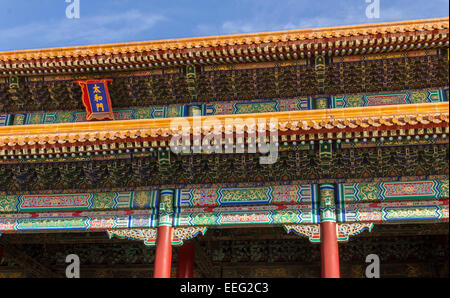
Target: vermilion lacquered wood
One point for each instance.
(329, 250)
(186, 253)
(163, 257)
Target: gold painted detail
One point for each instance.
(163, 50)
(187, 233)
(149, 236)
(310, 231)
(344, 230)
(381, 117)
(134, 234)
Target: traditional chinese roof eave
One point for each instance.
(282, 45)
(298, 122)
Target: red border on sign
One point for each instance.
(87, 104)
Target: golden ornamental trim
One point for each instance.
(341, 119)
(204, 43)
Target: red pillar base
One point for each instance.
(163, 257)
(186, 253)
(329, 250)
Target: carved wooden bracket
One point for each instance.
(344, 230)
(149, 236)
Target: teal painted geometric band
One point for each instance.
(256, 107)
(321, 103)
(238, 107)
(395, 211)
(412, 213)
(328, 214)
(96, 221)
(167, 192)
(169, 111)
(315, 204)
(263, 195)
(165, 219)
(340, 204)
(388, 98)
(410, 190)
(141, 200)
(327, 203)
(326, 186)
(166, 209)
(326, 195)
(328, 219)
(80, 201)
(238, 196)
(5, 119)
(292, 216)
(393, 191)
(20, 119)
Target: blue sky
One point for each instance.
(31, 24)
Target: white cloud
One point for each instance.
(86, 30)
(268, 18)
(231, 27)
(350, 16)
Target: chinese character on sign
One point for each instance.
(96, 99)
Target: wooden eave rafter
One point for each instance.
(298, 122)
(243, 48)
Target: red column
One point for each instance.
(329, 250)
(185, 268)
(163, 257)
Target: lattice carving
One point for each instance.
(146, 235)
(183, 234)
(149, 236)
(344, 230)
(310, 231)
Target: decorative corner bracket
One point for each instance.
(344, 230)
(149, 236)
